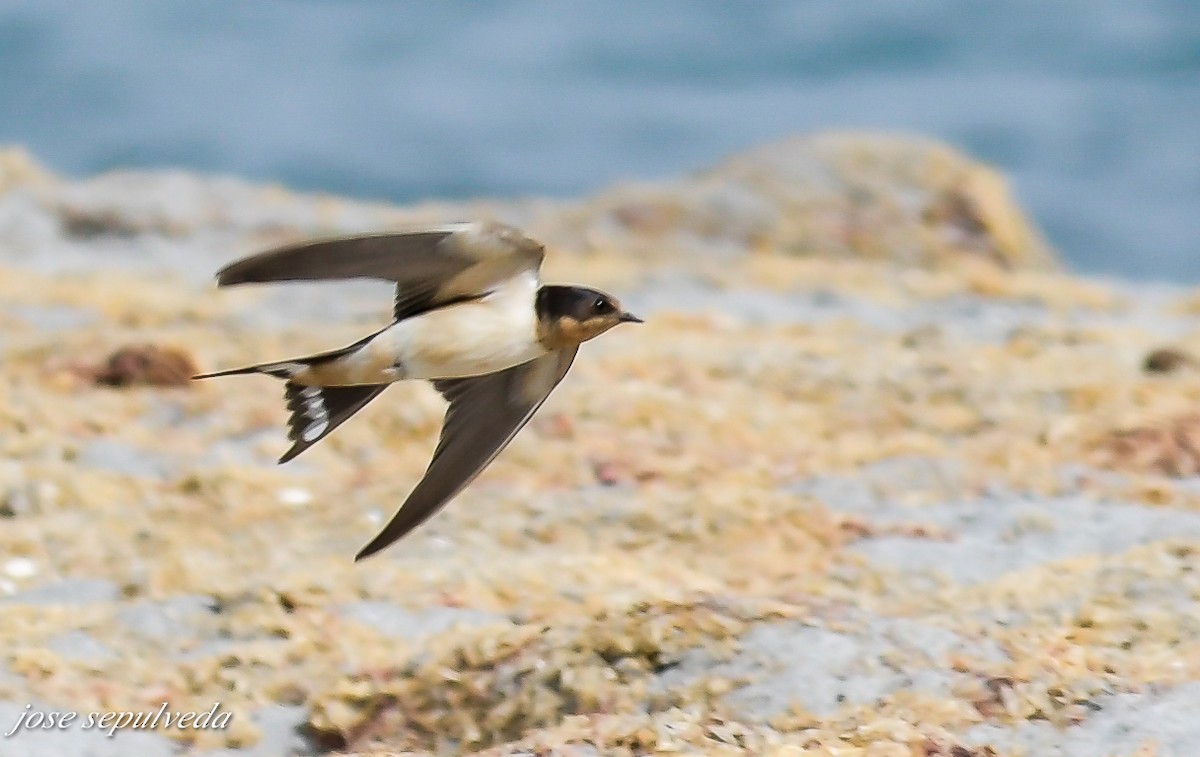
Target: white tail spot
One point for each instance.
(314, 407)
(313, 431)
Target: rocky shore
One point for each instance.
(877, 478)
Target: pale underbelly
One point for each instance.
(469, 339)
(444, 361)
(463, 342)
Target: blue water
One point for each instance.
(1092, 106)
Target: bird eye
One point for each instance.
(602, 306)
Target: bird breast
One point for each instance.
(472, 338)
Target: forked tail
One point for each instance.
(318, 410)
(314, 411)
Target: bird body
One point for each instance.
(496, 331)
(470, 315)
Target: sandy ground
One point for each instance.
(825, 501)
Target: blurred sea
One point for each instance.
(1092, 106)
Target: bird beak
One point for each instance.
(630, 318)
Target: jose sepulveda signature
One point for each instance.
(110, 722)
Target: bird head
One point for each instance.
(571, 315)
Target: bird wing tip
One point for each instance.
(381, 542)
(364, 553)
(225, 278)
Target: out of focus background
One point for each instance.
(883, 473)
(1091, 106)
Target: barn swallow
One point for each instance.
(470, 315)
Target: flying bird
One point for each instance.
(470, 315)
